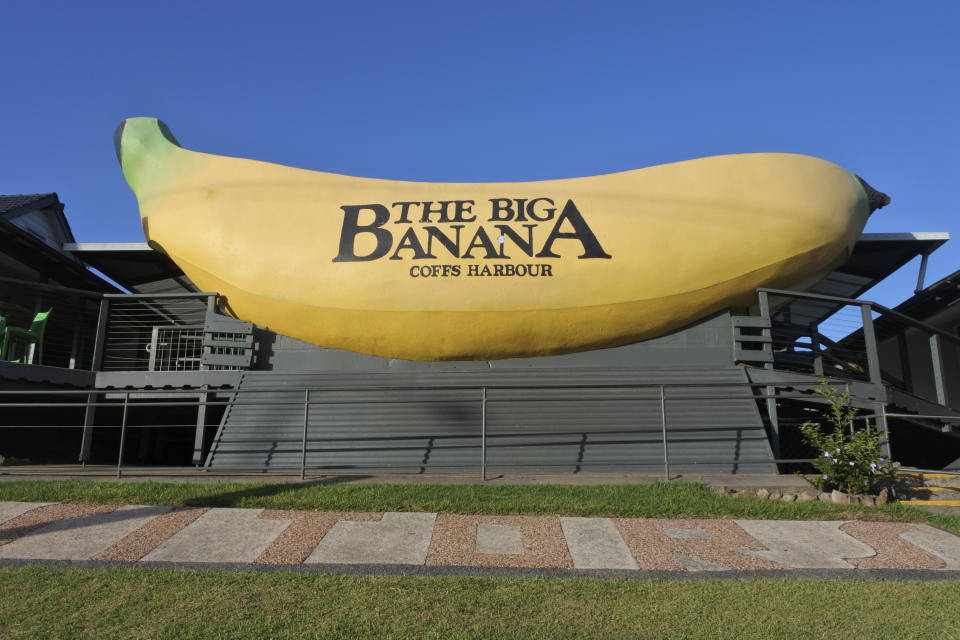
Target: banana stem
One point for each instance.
(876, 199)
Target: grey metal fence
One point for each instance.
(307, 403)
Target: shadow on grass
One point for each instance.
(236, 497)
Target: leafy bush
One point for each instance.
(850, 462)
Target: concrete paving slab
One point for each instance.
(10, 510)
(936, 541)
(398, 538)
(81, 538)
(220, 535)
(499, 538)
(805, 545)
(595, 543)
(698, 564)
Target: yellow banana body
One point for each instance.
(475, 271)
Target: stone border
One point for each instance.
(808, 495)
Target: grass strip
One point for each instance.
(142, 603)
(654, 500)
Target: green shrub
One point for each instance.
(850, 462)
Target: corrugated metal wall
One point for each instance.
(430, 421)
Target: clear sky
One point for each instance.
(488, 91)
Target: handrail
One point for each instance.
(853, 301)
(458, 387)
(161, 296)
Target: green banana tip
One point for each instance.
(144, 127)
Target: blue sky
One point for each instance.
(491, 91)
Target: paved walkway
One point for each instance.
(259, 538)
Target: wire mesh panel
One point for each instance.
(176, 348)
(154, 334)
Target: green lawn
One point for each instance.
(39, 602)
(142, 603)
(656, 500)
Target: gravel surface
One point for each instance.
(454, 542)
(306, 531)
(893, 552)
(34, 519)
(653, 548)
(151, 535)
(671, 545)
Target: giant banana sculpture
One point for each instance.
(431, 271)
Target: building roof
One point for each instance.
(10, 204)
(874, 257)
(134, 266)
(33, 229)
(935, 298)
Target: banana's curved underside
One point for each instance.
(441, 271)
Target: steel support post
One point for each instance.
(483, 435)
(870, 341)
(306, 422)
(770, 392)
(923, 272)
(123, 432)
(89, 416)
(201, 431)
(773, 416)
(74, 346)
(815, 347)
(904, 353)
(883, 428)
(764, 301)
(936, 359)
(663, 426)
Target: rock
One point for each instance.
(807, 496)
(775, 495)
(745, 493)
(884, 496)
(763, 493)
(788, 497)
(825, 497)
(870, 501)
(837, 496)
(721, 490)
(854, 499)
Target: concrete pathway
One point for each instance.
(146, 535)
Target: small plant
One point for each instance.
(848, 461)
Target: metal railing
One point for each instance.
(851, 339)
(313, 401)
(66, 339)
(123, 332)
(153, 332)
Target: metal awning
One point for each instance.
(875, 257)
(133, 265)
